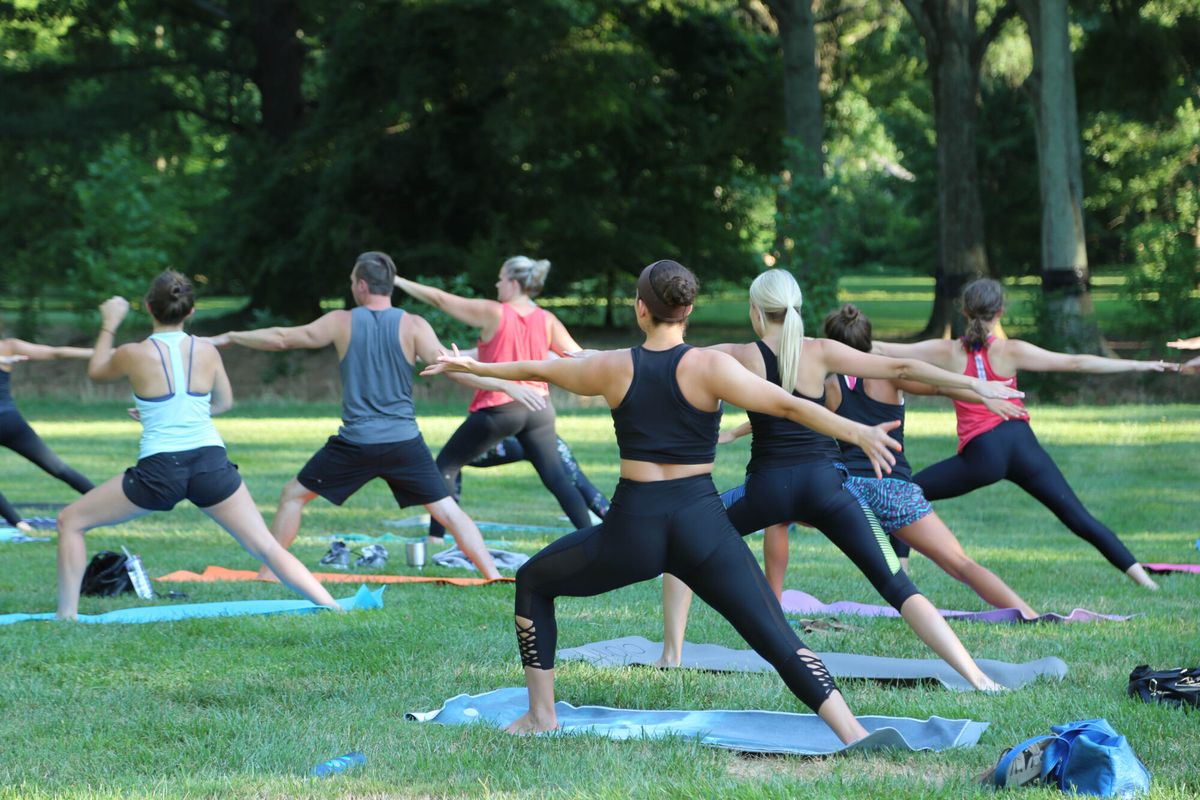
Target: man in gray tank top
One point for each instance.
(377, 346)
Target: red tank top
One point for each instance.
(974, 418)
(517, 339)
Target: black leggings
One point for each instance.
(483, 429)
(510, 451)
(815, 493)
(1010, 451)
(16, 435)
(679, 527)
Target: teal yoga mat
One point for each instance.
(364, 599)
(744, 731)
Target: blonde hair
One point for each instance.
(778, 298)
(527, 272)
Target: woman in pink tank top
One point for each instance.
(991, 448)
(511, 328)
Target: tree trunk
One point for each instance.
(278, 65)
(954, 47)
(803, 240)
(1068, 320)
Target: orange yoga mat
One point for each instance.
(212, 574)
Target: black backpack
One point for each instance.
(1175, 687)
(106, 575)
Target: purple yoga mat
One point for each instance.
(803, 603)
(1172, 568)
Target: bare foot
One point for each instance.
(666, 662)
(527, 723)
(265, 574)
(989, 685)
(24, 527)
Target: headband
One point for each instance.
(654, 302)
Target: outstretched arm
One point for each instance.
(733, 434)
(732, 382)
(1005, 409)
(314, 335)
(42, 352)
(1035, 359)
(584, 376)
(848, 361)
(107, 364)
(561, 340)
(1186, 344)
(476, 312)
(222, 390)
(428, 348)
(939, 352)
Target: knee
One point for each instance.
(294, 493)
(897, 589)
(68, 521)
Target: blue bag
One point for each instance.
(1089, 757)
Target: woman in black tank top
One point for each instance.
(901, 507)
(795, 472)
(666, 515)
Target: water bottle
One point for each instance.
(138, 576)
(339, 764)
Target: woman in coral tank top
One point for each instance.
(991, 448)
(511, 328)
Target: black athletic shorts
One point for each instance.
(341, 468)
(204, 475)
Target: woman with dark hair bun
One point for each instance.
(178, 384)
(666, 515)
(511, 328)
(901, 508)
(991, 448)
(15, 433)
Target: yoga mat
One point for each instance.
(1167, 568)
(17, 537)
(744, 731)
(212, 574)
(364, 599)
(366, 538)
(795, 602)
(453, 558)
(410, 522)
(631, 650)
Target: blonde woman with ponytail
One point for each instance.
(991, 448)
(795, 472)
(511, 328)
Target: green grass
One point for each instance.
(244, 707)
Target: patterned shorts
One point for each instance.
(896, 503)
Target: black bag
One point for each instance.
(106, 575)
(1175, 687)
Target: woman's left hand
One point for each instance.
(13, 359)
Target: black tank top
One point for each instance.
(655, 423)
(857, 405)
(6, 401)
(779, 442)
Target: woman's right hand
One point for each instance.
(1005, 409)
(451, 363)
(875, 442)
(112, 311)
(526, 396)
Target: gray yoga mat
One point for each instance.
(632, 650)
(744, 731)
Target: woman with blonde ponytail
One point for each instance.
(796, 472)
(992, 448)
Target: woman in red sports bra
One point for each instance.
(511, 328)
(991, 449)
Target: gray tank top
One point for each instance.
(377, 402)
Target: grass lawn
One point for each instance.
(245, 707)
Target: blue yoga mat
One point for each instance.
(17, 536)
(364, 599)
(744, 731)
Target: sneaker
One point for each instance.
(373, 557)
(1019, 766)
(338, 556)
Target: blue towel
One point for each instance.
(17, 537)
(364, 599)
(744, 731)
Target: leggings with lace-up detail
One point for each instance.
(677, 526)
